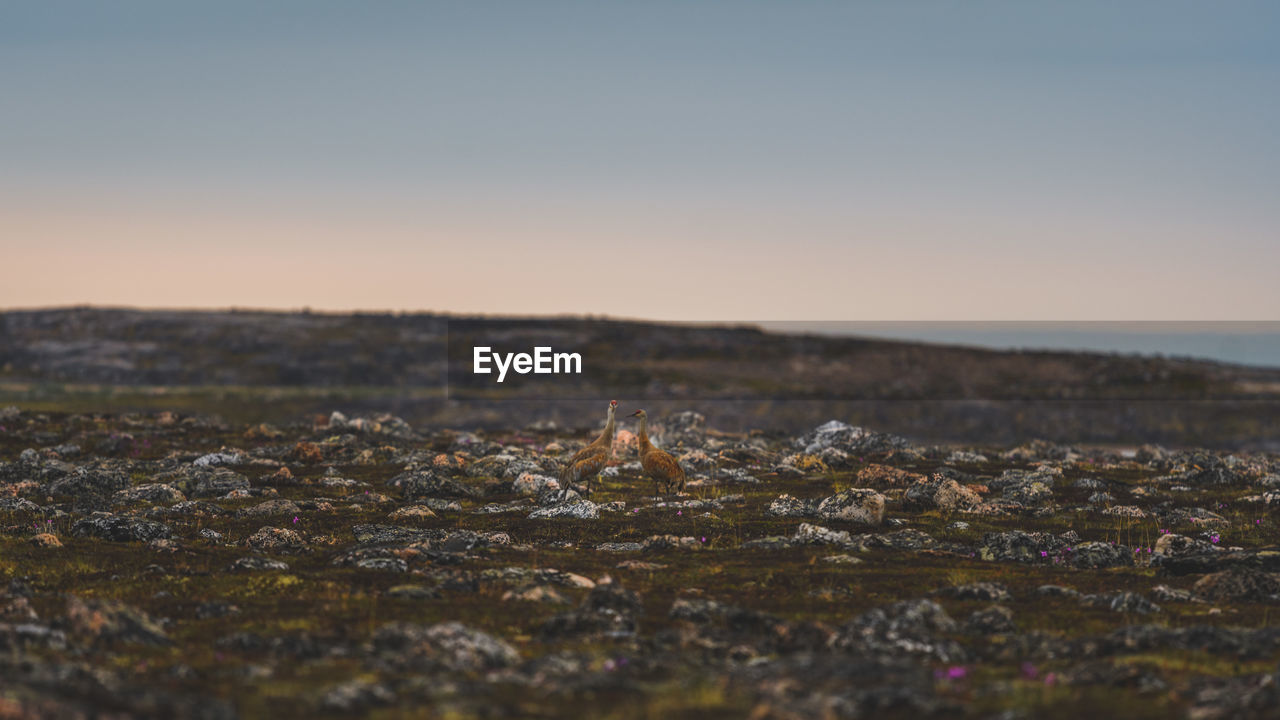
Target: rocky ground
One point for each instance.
(164, 565)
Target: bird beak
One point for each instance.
(635, 414)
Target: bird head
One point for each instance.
(639, 414)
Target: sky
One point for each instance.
(667, 159)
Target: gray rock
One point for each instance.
(1020, 546)
(620, 547)
(683, 429)
(1164, 593)
(808, 534)
(217, 459)
(847, 438)
(389, 564)
(120, 528)
(357, 695)
(1057, 591)
(1131, 602)
(214, 482)
(696, 610)
(420, 485)
(989, 591)
(278, 506)
(1101, 555)
(1239, 585)
(609, 610)
(899, 540)
(1175, 545)
(449, 646)
(108, 621)
(1028, 488)
(86, 483)
(993, 620)
(155, 493)
(246, 564)
(578, 509)
(377, 534)
(908, 628)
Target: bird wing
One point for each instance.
(660, 464)
(586, 462)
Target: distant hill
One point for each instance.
(270, 365)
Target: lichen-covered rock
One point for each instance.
(379, 534)
(788, 506)
(531, 484)
(217, 459)
(1128, 511)
(422, 484)
(1240, 585)
(357, 696)
(411, 512)
(908, 539)
(1027, 487)
(213, 482)
(609, 610)
(989, 591)
(279, 506)
(578, 509)
(664, 542)
(1175, 545)
(908, 628)
(1131, 602)
(247, 564)
(383, 424)
(88, 483)
(449, 646)
(120, 528)
(1101, 555)
(808, 534)
(155, 493)
(992, 620)
(941, 493)
(103, 621)
(1020, 546)
(858, 505)
(847, 438)
(887, 475)
(276, 540)
(683, 429)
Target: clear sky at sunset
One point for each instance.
(670, 160)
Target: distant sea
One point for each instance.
(1241, 343)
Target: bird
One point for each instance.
(590, 460)
(657, 463)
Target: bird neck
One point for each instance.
(606, 436)
(643, 431)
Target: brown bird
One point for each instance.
(590, 460)
(657, 463)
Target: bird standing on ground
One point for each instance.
(658, 464)
(590, 460)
